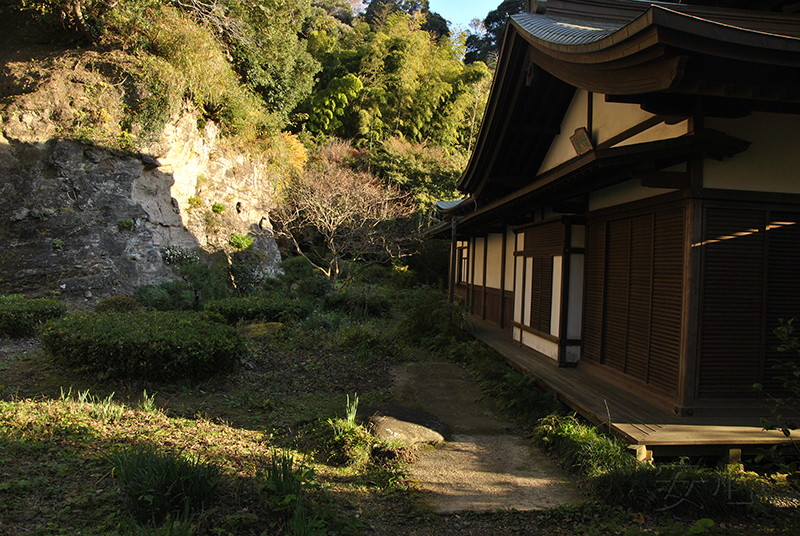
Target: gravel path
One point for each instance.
(487, 464)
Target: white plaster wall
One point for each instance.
(625, 192)
(526, 298)
(770, 164)
(575, 294)
(511, 238)
(612, 118)
(548, 348)
(555, 296)
(661, 131)
(478, 262)
(561, 150)
(608, 120)
(494, 266)
(518, 272)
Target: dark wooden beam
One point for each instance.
(570, 207)
(678, 180)
(531, 130)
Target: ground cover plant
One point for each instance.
(19, 316)
(277, 440)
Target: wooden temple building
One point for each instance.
(630, 233)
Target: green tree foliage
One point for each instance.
(428, 173)
(269, 52)
(377, 14)
(328, 105)
(412, 85)
(245, 64)
(82, 19)
(481, 46)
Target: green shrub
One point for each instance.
(258, 309)
(295, 269)
(126, 225)
(366, 340)
(117, 304)
(156, 485)
(359, 303)
(217, 208)
(205, 284)
(314, 287)
(428, 319)
(20, 316)
(198, 285)
(238, 241)
(676, 488)
(178, 256)
(195, 202)
(374, 274)
(144, 345)
(169, 296)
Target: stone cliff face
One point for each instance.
(83, 220)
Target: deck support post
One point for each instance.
(642, 454)
(734, 457)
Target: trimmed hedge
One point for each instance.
(117, 304)
(144, 345)
(255, 309)
(361, 302)
(19, 316)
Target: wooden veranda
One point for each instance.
(651, 431)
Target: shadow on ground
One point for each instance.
(487, 464)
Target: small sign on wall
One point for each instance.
(581, 141)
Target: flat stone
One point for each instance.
(411, 427)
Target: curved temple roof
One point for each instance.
(671, 59)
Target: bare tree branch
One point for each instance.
(352, 213)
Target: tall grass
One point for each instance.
(156, 485)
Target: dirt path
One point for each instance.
(488, 464)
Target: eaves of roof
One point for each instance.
(601, 168)
(587, 41)
(656, 55)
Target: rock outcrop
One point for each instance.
(80, 219)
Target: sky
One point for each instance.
(462, 11)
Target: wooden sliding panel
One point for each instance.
(750, 281)
(783, 289)
(594, 291)
(669, 249)
(640, 306)
(617, 282)
(733, 294)
(634, 295)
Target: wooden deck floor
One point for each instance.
(645, 427)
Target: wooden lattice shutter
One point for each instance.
(783, 289)
(634, 295)
(733, 301)
(669, 249)
(637, 352)
(593, 297)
